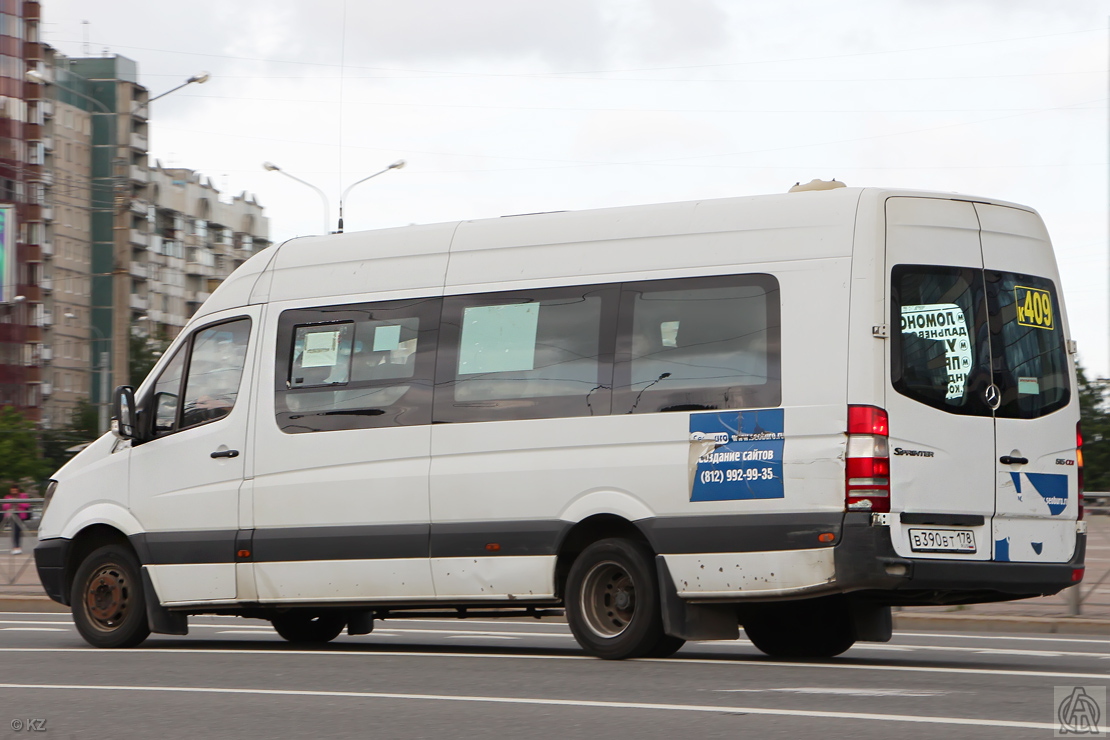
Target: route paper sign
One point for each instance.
(736, 455)
(943, 322)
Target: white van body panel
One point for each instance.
(96, 494)
(745, 574)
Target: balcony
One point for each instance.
(32, 131)
(139, 207)
(139, 142)
(197, 296)
(138, 109)
(47, 108)
(139, 270)
(139, 302)
(139, 238)
(31, 292)
(138, 173)
(32, 253)
(48, 143)
(196, 268)
(47, 389)
(47, 285)
(47, 249)
(47, 354)
(48, 213)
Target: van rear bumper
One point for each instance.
(866, 562)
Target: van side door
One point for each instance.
(185, 479)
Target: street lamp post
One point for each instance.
(271, 167)
(395, 166)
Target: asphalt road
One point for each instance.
(511, 679)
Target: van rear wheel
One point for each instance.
(821, 628)
(309, 627)
(612, 600)
(107, 600)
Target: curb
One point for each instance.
(28, 603)
(999, 623)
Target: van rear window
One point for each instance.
(940, 353)
(1027, 335)
(961, 329)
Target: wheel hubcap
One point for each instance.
(107, 597)
(608, 599)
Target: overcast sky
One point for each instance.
(504, 106)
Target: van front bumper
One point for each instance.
(866, 562)
(51, 557)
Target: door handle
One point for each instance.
(1007, 460)
(226, 453)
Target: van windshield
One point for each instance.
(1026, 334)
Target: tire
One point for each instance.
(814, 629)
(309, 627)
(108, 603)
(666, 647)
(612, 600)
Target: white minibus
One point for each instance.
(787, 413)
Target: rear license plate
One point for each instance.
(942, 540)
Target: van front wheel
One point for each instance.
(612, 600)
(299, 626)
(109, 609)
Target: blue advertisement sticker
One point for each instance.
(739, 455)
(1052, 487)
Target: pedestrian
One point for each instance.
(16, 512)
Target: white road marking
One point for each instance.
(843, 692)
(485, 637)
(573, 703)
(32, 629)
(960, 636)
(745, 664)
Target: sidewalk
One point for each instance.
(20, 591)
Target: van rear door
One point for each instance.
(1035, 426)
(941, 444)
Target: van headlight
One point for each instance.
(51, 486)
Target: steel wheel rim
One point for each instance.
(108, 597)
(608, 599)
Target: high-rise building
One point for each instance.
(107, 247)
(23, 182)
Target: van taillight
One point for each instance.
(867, 460)
(1079, 464)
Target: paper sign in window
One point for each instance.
(387, 338)
(498, 339)
(321, 349)
(944, 323)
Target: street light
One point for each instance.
(200, 79)
(395, 166)
(271, 167)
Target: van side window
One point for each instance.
(1027, 336)
(215, 370)
(214, 356)
(356, 366)
(698, 344)
(534, 354)
(167, 393)
(940, 353)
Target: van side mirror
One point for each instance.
(124, 414)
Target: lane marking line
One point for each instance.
(32, 629)
(726, 663)
(573, 703)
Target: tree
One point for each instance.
(81, 429)
(19, 448)
(143, 355)
(1095, 422)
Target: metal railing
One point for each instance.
(15, 566)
